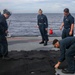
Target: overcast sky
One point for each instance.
(32, 6)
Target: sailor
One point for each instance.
(67, 51)
(68, 24)
(3, 33)
(42, 23)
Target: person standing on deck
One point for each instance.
(3, 33)
(68, 24)
(42, 23)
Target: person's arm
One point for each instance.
(37, 22)
(71, 30)
(62, 55)
(1, 27)
(6, 26)
(61, 26)
(72, 26)
(46, 21)
(46, 25)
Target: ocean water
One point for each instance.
(26, 24)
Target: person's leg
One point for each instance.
(64, 33)
(70, 53)
(4, 44)
(46, 35)
(41, 31)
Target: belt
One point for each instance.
(42, 23)
(66, 28)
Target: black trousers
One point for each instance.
(70, 54)
(43, 32)
(65, 33)
(3, 45)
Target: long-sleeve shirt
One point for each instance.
(65, 44)
(3, 25)
(42, 19)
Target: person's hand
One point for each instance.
(57, 65)
(46, 29)
(6, 31)
(60, 28)
(70, 33)
(37, 26)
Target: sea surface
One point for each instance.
(25, 24)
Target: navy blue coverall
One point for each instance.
(67, 50)
(68, 21)
(3, 40)
(43, 24)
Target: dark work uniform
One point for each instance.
(43, 24)
(67, 49)
(68, 21)
(3, 40)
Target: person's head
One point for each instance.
(40, 12)
(56, 43)
(6, 13)
(66, 11)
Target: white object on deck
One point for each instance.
(9, 35)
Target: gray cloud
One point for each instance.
(24, 6)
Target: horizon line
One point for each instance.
(37, 13)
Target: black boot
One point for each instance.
(41, 42)
(45, 43)
(66, 71)
(0, 56)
